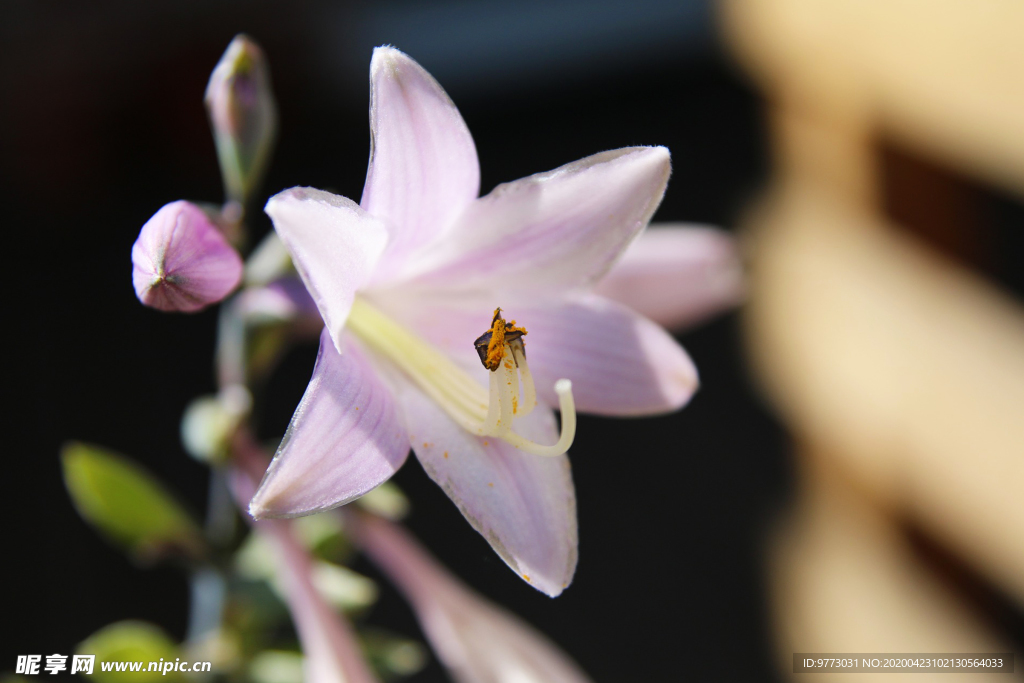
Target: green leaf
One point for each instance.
(130, 641)
(127, 504)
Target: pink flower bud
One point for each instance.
(243, 115)
(182, 261)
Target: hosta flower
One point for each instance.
(408, 282)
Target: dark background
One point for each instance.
(101, 123)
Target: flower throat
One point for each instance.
(491, 412)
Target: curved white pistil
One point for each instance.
(475, 409)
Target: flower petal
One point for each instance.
(344, 440)
(524, 505)
(281, 300)
(182, 262)
(334, 244)
(620, 363)
(423, 166)
(559, 229)
(475, 639)
(677, 275)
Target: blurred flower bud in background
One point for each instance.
(182, 262)
(209, 422)
(243, 115)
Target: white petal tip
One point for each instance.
(552, 591)
(382, 52)
(660, 158)
(267, 505)
(258, 507)
(681, 384)
(276, 500)
(275, 202)
(294, 194)
(256, 511)
(387, 57)
(655, 155)
(550, 585)
(261, 509)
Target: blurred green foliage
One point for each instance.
(130, 641)
(128, 505)
(391, 655)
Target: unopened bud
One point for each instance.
(181, 260)
(210, 421)
(243, 115)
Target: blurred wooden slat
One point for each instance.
(842, 580)
(831, 151)
(944, 76)
(910, 369)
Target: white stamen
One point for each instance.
(567, 405)
(529, 395)
(478, 411)
(502, 393)
(493, 423)
(513, 381)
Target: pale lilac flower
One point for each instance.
(475, 639)
(406, 281)
(182, 262)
